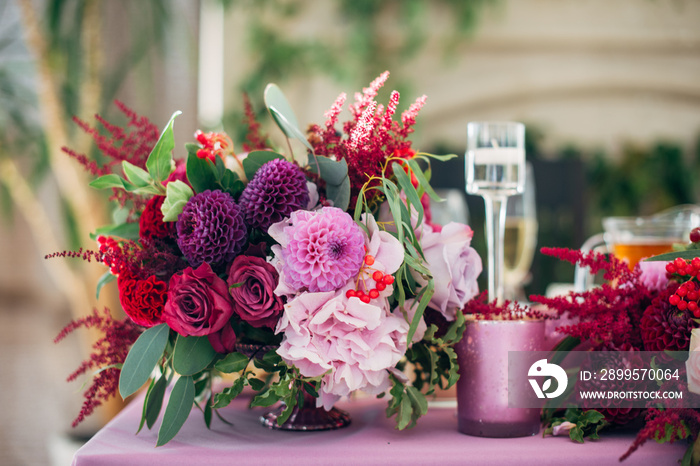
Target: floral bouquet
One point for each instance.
(322, 269)
(654, 307)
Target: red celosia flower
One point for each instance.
(109, 350)
(151, 224)
(142, 300)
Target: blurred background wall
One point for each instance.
(609, 92)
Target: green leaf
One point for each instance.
(288, 409)
(107, 277)
(224, 398)
(178, 193)
(201, 173)
(576, 434)
(265, 399)
(109, 181)
(591, 417)
(428, 291)
(153, 190)
(422, 180)
(282, 113)
(143, 407)
(231, 183)
(418, 400)
(257, 159)
(688, 456)
(154, 401)
(256, 384)
(405, 413)
(208, 411)
(177, 411)
(339, 194)
(142, 359)
(335, 174)
(160, 161)
(411, 194)
(138, 176)
(233, 362)
(192, 354)
(669, 256)
(122, 230)
(332, 171)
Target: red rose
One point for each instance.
(151, 224)
(254, 300)
(142, 300)
(198, 302)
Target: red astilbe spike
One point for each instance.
(132, 143)
(255, 140)
(368, 140)
(109, 350)
(480, 307)
(606, 315)
(680, 423)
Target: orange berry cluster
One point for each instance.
(687, 294)
(381, 281)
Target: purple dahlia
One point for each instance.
(277, 189)
(211, 229)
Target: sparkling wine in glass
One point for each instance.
(520, 239)
(495, 170)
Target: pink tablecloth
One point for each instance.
(370, 439)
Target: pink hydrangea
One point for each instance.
(357, 342)
(317, 251)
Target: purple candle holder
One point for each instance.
(482, 388)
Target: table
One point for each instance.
(370, 439)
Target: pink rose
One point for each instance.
(454, 264)
(254, 300)
(357, 342)
(223, 341)
(198, 302)
(692, 365)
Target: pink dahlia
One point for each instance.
(319, 251)
(277, 189)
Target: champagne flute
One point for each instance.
(520, 238)
(495, 170)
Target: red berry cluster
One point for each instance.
(684, 267)
(687, 294)
(381, 281)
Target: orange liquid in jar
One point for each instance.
(641, 248)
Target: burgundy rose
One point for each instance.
(252, 282)
(198, 302)
(142, 300)
(223, 341)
